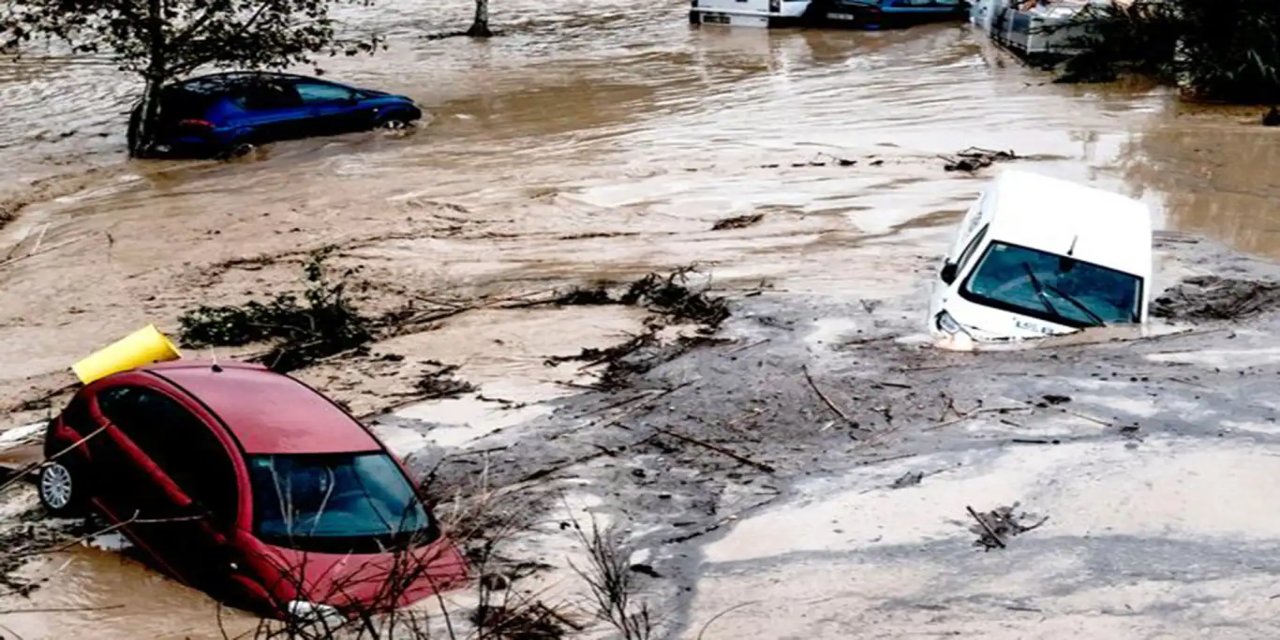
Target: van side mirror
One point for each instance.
(948, 273)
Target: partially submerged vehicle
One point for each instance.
(249, 485)
(1037, 29)
(749, 13)
(876, 14)
(1037, 256)
(216, 114)
(865, 14)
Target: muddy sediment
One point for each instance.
(700, 443)
(734, 432)
(1203, 298)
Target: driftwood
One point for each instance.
(975, 413)
(831, 405)
(723, 614)
(1001, 523)
(990, 532)
(767, 468)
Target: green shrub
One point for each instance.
(320, 324)
(1214, 49)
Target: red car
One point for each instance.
(251, 486)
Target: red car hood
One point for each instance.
(366, 582)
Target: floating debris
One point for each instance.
(909, 479)
(1216, 298)
(738, 222)
(995, 527)
(974, 158)
(647, 570)
(440, 382)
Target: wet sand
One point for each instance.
(1145, 541)
(593, 142)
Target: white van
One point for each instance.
(1038, 256)
(749, 13)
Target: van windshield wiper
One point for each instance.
(1039, 288)
(1097, 319)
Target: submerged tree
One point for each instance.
(1215, 49)
(480, 27)
(161, 40)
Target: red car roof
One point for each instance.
(268, 412)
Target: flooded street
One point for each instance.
(598, 141)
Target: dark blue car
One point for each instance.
(875, 14)
(218, 114)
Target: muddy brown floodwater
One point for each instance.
(592, 141)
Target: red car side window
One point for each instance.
(180, 443)
(77, 416)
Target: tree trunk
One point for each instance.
(143, 123)
(480, 28)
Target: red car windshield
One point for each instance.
(336, 503)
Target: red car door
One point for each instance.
(172, 482)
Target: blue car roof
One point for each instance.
(218, 82)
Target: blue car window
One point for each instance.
(320, 92)
(266, 96)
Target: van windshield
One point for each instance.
(336, 503)
(1054, 288)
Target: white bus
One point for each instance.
(750, 13)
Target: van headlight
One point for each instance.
(314, 612)
(949, 325)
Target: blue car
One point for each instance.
(221, 113)
(874, 14)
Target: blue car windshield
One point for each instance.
(336, 503)
(1055, 288)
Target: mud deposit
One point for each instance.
(1216, 298)
(749, 471)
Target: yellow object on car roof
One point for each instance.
(142, 347)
